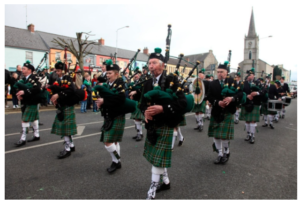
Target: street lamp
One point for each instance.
(266, 37)
(117, 41)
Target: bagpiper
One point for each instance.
(160, 122)
(237, 83)
(64, 97)
(285, 92)
(224, 96)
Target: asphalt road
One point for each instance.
(264, 170)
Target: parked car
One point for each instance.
(293, 91)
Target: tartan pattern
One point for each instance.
(252, 116)
(68, 125)
(199, 107)
(115, 134)
(160, 154)
(223, 130)
(137, 114)
(183, 122)
(30, 114)
(264, 109)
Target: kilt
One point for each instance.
(264, 109)
(137, 114)
(160, 154)
(199, 107)
(30, 114)
(252, 116)
(223, 130)
(183, 122)
(68, 125)
(115, 134)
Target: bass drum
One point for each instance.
(198, 98)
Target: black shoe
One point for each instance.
(72, 149)
(180, 142)
(275, 120)
(282, 117)
(33, 139)
(139, 138)
(224, 158)
(114, 166)
(163, 187)
(40, 124)
(20, 143)
(252, 140)
(200, 128)
(236, 121)
(218, 160)
(265, 125)
(197, 128)
(271, 126)
(208, 118)
(135, 136)
(64, 154)
(247, 138)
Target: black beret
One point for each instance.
(157, 54)
(28, 65)
(60, 65)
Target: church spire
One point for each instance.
(252, 32)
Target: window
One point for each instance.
(69, 57)
(101, 61)
(29, 56)
(250, 55)
(57, 56)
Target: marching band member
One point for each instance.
(221, 126)
(237, 83)
(286, 91)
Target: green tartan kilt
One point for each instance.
(199, 107)
(30, 114)
(160, 154)
(137, 114)
(223, 130)
(68, 125)
(115, 134)
(252, 116)
(264, 109)
(183, 122)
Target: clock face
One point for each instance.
(250, 44)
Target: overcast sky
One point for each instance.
(197, 27)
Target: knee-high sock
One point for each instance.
(237, 114)
(166, 179)
(200, 123)
(71, 141)
(225, 144)
(247, 127)
(67, 143)
(197, 119)
(35, 125)
(252, 128)
(140, 127)
(266, 118)
(156, 172)
(136, 125)
(218, 144)
(174, 138)
(25, 127)
(114, 154)
(271, 117)
(118, 148)
(180, 134)
(283, 111)
(277, 116)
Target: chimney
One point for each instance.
(101, 41)
(31, 28)
(210, 51)
(145, 51)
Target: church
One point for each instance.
(251, 54)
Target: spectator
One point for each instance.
(13, 90)
(94, 81)
(19, 72)
(87, 82)
(83, 103)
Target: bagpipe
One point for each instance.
(128, 106)
(132, 60)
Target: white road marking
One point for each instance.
(60, 141)
(80, 124)
(80, 130)
(291, 128)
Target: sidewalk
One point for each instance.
(49, 107)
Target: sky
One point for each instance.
(219, 26)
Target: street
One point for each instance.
(264, 170)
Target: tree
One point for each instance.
(82, 44)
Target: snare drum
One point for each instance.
(275, 105)
(287, 100)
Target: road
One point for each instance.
(264, 170)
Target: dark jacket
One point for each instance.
(273, 93)
(110, 103)
(29, 97)
(214, 96)
(170, 113)
(257, 99)
(285, 88)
